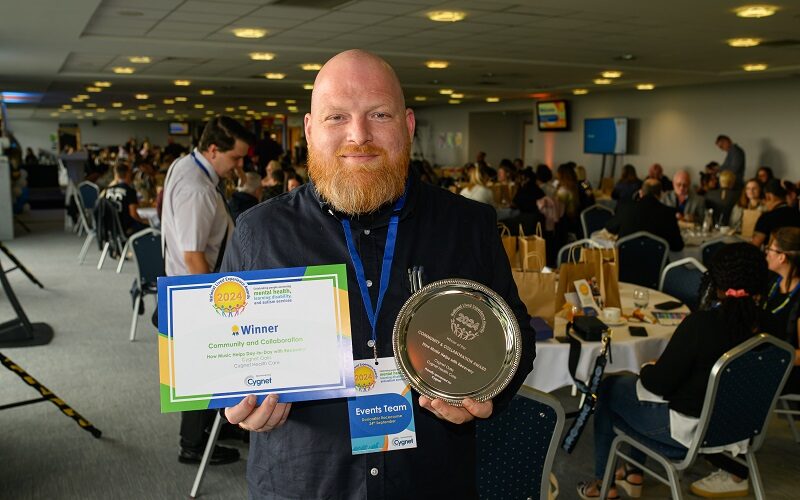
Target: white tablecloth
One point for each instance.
(151, 214)
(550, 370)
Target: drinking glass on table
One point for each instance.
(641, 297)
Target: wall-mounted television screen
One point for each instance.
(178, 128)
(552, 115)
(605, 135)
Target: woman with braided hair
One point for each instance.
(665, 400)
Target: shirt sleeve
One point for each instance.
(196, 210)
(675, 364)
(237, 250)
(762, 224)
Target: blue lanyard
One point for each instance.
(774, 291)
(386, 268)
(202, 167)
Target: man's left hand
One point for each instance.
(455, 414)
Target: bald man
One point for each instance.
(688, 206)
(359, 136)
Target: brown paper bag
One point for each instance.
(537, 291)
(606, 260)
(749, 219)
(530, 246)
(509, 244)
(571, 271)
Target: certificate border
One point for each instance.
(167, 285)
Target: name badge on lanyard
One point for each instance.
(382, 414)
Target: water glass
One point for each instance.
(641, 297)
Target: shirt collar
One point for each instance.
(209, 168)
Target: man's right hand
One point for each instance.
(264, 418)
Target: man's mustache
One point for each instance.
(365, 149)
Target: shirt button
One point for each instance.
(374, 471)
(366, 231)
(369, 283)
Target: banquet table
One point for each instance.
(151, 214)
(692, 242)
(550, 371)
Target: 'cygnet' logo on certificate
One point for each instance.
(224, 336)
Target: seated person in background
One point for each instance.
(584, 187)
(505, 174)
(544, 178)
(293, 181)
(791, 193)
(247, 195)
(690, 207)
(30, 158)
(144, 181)
(709, 181)
(750, 199)
(764, 175)
(647, 214)
(519, 165)
(476, 188)
(673, 388)
(627, 186)
(778, 214)
(273, 184)
(722, 200)
(657, 172)
(122, 193)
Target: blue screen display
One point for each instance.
(605, 135)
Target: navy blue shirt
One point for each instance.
(452, 237)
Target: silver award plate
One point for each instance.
(455, 339)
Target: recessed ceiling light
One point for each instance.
(142, 97)
(149, 115)
(492, 99)
(755, 11)
(91, 105)
(580, 91)
(250, 32)
(169, 101)
(645, 86)
(290, 101)
(311, 66)
(611, 74)
(93, 89)
(207, 92)
(88, 113)
(170, 111)
(755, 67)
(143, 108)
(457, 96)
(181, 98)
(437, 64)
(101, 110)
(230, 110)
(292, 109)
(102, 84)
(116, 104)
(209, 112)
(250, 112)
(744, 42)
(602, 81)
(454, 101)
(54, 114)
(82, 96)
(75, 99)
(139, 59)
(262, 56)
(199, 106)
(308, 86)
(123, 70)
(275, 76)
(447, 16)
(445, 91)
(420, 98)
(182, 83)
(271, 103)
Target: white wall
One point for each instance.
(36, 133)
(672, 126)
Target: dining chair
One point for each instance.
(86, 220)
(742, 390)
(710, 247)
(146, 245)
(642, 257)
(682, 280)
(516, 448)
(110, 235)
(594, 218)
(786, 409)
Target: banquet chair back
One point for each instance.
(110, 235)
(682, 279)
(642, 257)
(563, 253)
(594, 218)
(89, 193)
(516, 449)
(146, 245)
(742, 390)
(709, 248)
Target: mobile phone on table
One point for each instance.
(637, 331)
(668, 305)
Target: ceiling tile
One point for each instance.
(288, 12)
(210, 7)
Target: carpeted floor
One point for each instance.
(114, 384)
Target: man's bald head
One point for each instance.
(681, 182)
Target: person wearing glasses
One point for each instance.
(778, 213)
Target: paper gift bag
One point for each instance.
(749, 219)
(606, 261)
(509, 244)
(537, 291)
(571, 271)
(530, 246)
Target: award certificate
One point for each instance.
(226, 335)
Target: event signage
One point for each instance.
(226, 335)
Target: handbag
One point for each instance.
(509, 244)
(537, 291)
